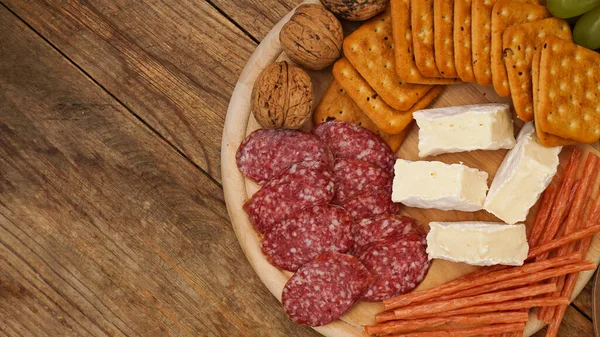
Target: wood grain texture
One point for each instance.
(104, 229)
(174, 63)
(246, 12)
(574, 324)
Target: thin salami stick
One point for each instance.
(594, 217)
(542, 215)
(492, 277)
(467, 332)
(590, 172)
(571, 280)
(576, 235)
(524, 280)
(501, 296)
(561, 203)
(471, 319)
(504, 306)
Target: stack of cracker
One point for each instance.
(366, 89)
(396, 63)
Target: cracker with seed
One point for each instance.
(443, 37)
(507, 13)
(569, 109)
(385, 117)
(519, 43)
(462, 40)
(370, 50)
(421, 19)
(545, 138)
(403, 47)
(481, 38)
(337, 105)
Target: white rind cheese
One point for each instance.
(478, 243)
(523, 175)
(464, 128)
(433, 184)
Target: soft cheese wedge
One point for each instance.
(478, 243)
(464, 128)
(433, 184)
(523, 175)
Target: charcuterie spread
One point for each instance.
(331, 199)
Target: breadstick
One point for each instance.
(504, 306)
(470, 319)
(496, 276)
(467, 332)
(501, 296)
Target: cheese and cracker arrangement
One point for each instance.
(333, 190)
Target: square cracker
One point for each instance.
(370, 50)
(462, 40)
(505, 14)
(403, 47)
(337, 105)
(569, 90)
(421, 19)
(481, 38)
(385, 117)
(443, 37)
(545, 138)
(519, 43)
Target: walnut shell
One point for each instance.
(282, 96)
(313, 37)
(355, 10)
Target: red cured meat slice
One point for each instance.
(353, 176)
(299, 186)
(381, 226)
(350, 141)
(310, 232)
(398, 262)
(266, 152)
(369, 204)
(323, 289)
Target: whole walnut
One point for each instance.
(282, 96)
(313, 37)
(355, 10)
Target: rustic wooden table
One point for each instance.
(112, 219)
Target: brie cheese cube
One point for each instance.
(433, 184)
(478, 243)
(464, 128)
(523, 175)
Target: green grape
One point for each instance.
(587, 30)
(570, 8)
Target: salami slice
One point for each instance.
(369, 204)
(398, 262)
(381, 226)
(350, 141)
(310, 232)
(323, 289)
(299, 186)
(353, 176)
(266, 152)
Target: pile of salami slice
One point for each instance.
(325, 212)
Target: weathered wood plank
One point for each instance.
(246, 12)
(574, 324)
(584, 300)
(104, 229)
(173, 63)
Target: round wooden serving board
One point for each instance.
(240, 122)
